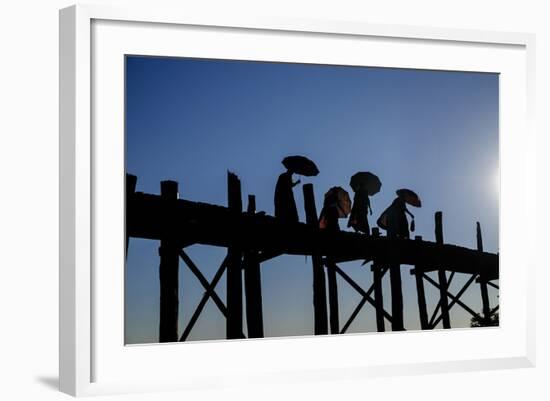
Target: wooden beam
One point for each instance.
(493, 285)
(454, 301)
(378, 274)
(169, 269)
(204, 282)
(234, 322)
(208, 291)
(353, 315)
(453, 297)
(333, 301)
(253, 286)
(421, 296)
(131, 182)
(319, 289)
(216, 225)
(396, 286)
(442, 275)
(357, 287)
(486, 306)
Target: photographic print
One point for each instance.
(268, 199)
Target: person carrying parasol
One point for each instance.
(336, 205)
(394, 219)
(364, 184)
(285, 205)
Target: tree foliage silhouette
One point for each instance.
(480, 321)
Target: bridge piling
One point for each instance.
(253, 285)
(319, 286)
(234, 322)
(421, 294)
(131, 182)
(169, 268)
(396, 288)
(486, 307)
(377, 276)
(442, 275)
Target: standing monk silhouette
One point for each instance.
(285, 205)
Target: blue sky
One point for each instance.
(192, 120)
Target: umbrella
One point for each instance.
(339, 196)
(366, 180)
(409, 196)
(300, 165)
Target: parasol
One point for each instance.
(365, 180)
(341, 198)
(409, 197)
(300, 165)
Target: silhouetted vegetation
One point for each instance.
(480, 321)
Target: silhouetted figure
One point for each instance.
(358, 218)
(394, 219)
(364, 184)
(336, 205)
(285, 205)
(328, 220)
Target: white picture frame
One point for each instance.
(94, 361)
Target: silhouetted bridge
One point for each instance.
(252, 238)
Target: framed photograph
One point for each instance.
(292, 199)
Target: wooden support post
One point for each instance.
(421, 294)
(319, 289)
(486, 307)
(396, 288)
(396, 298)
(378, 297)
(333, 301)
(443, 286)
(169, 269)
(234, 322)
(377, 275)
(253, 286)
(131, 181)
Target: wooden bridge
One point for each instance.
(252, 238)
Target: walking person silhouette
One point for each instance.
(394, 218)
(364, 184)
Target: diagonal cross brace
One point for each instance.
(453, 297)
(204, 282)
(438, 306)
(458, 295)
(356, 287)
(208, 292)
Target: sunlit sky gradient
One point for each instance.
(191, 120)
